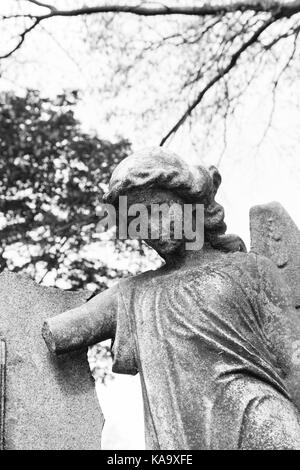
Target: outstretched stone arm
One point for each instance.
(84, 326)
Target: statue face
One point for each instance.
(164, 218)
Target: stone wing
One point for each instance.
(275, 235)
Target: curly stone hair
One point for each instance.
(160, 168)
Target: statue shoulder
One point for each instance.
(137, 279)
(247, 262)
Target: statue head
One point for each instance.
(158, 176)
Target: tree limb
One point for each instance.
(44, 5)
(221, 74)
(274, 90)
(277, 8)
(153, 9)
(274, 8)
(22, 39)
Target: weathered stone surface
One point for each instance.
(2, 390)
(275, 235)
(210, 332)
(50, 402)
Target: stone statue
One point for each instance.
(212, 332)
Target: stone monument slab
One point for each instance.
(275, 235)
(50, 402)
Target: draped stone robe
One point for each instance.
(213, 344)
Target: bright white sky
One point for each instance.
(251, 175)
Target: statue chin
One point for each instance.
(165, 247)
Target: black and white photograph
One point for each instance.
(149, 228)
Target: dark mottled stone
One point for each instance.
(50, 402)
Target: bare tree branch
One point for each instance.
(158, 9)
(277, 8)
(227, 111)
(212, 14)
(44, 5)
(20, 15)
(234, 58)
(275, 87)
(22, 39)
(294, 31)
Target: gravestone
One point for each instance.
(50, 402)
(275, 235)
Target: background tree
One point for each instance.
(52, 178)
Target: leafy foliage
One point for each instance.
(52, 178)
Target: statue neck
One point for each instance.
(192, 257)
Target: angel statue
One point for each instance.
(213, 333)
